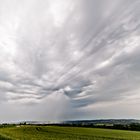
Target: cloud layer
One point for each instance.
(65, 59)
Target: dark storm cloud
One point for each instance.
(77, 56)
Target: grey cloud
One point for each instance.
(70, 55)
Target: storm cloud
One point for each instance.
(65, 59)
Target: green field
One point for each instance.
(65, 133)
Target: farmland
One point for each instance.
(64, 133)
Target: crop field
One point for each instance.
(64, 133)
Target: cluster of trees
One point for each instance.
(132, 126)
(7, 125)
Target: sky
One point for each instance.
(69, 59)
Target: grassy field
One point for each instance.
(65, 133)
